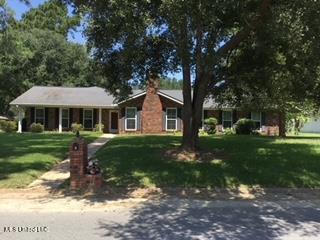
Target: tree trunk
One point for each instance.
(187, 139)
(282, 124)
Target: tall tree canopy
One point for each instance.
(51, 15)
(40, 54)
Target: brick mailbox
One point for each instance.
(78, 162)
(80, 178)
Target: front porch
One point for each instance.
(61, 118)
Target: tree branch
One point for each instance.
(241, 35)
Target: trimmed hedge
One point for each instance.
(210, 125)
(245, 126)
(36, 128)
(8, 126)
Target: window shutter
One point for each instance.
(263, 118)
(56, 119)
(46, 118)
(70, 117)
(164, 120)
(95, 111)
(138, 120)
(81, 115)
(234, 116)
(205, 114)
(179, 115)
(220, 117)
(32, 115)
(123, 112)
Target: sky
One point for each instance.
(19, 8)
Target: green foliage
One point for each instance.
(245, 126)
(51, 15)
(170, 83)
(229, 131)
(97, 128)
(210, 125)
(36, 128)
(75, 127)
(8, 126)
(35, 51)
(40, 57)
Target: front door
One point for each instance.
(113, 121)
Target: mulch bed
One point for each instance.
(200, 156)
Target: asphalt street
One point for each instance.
(170, 219)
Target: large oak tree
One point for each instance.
(131, 39)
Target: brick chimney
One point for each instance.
(152, 107)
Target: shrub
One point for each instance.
(229, 131)
(36, 128)
(76, 127)
(8, 126)
(210, 125)
(96, 127)
(245, 126)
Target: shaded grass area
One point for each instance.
(24, 157)
(251, 160)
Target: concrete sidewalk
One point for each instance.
(61, 172)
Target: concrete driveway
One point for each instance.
(171, 219)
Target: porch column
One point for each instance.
(100, 113)
(60, 120)
(19, 120)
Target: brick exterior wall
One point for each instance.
(152, 109)
(151, 119)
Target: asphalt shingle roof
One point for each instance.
(65, 96)
(83, 97)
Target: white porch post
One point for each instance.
(60, 120)
(19, 120)
(100, 113)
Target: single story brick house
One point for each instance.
(151, 111)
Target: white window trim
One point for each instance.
(44, 114)
(260, 121)
(227, 120)
(83, 118)
(68, 109)
(176, 118)
(135, 119)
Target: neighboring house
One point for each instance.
(150, 111)
(312, 126)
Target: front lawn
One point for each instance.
(249, 160)
(24, 157)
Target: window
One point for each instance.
(88, 118)
(256, 117)
(39, 115)
(65, 118)
(227, 119)
(131, 119)
(171, 119)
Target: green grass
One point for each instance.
(250, 160)
(24, 157)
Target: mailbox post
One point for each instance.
(78, 162)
